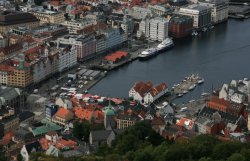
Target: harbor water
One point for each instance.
(218, 55)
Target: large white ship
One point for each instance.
(165, 44)
(147, 53)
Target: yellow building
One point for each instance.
(126, 120)
(9, 123)
(47, 16)
(21, 75)
(12, 19)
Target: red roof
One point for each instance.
(87, 114)
(66, 143)
(62, 112)
(10, 49)
(216, 101)
(116, 56)
(34, 49)
(156, 90)
(6, 68)
(185, 122)
(142, 87)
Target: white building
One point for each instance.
(4, 77)
(219, 9)
(238, 98)
(85, 45)
(155, 29)
(138, 91)
(155, 93)
(144, 27)
(110, 38)
(201, 14)
(28, 149)
(74, 25)
(67, 58)
(223, 94)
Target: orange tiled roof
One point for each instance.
(62, 112)
(115, 56)
(217, 101)
(66, 143)
(142, 87)
(86, 114)
(156, 90)
(185, 122)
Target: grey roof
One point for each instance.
(208, 112)
(9, 93)
(23, 134)
(101, 135)
(25, 115)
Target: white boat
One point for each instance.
(204, 29)
(148, 53)
(165, 44)
(184, 92)
(211, 27)
(180, 95)
(194, 33)
(200, 81)
(204, 94)
(191, 101)
(192, 87)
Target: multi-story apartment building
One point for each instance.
(74, 25)
(219, 9)
(201, 15)
(36, 64)
(48, 16)
(85, 45)
(180, 26)
(21, 75)
(9, 123)
(158, 29)
(155, 29)
(114, 37)
(10, 19)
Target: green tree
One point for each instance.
(38, 2)
(81, 130)
(225, 149)
(113, 157)
(236, 157)
(19, 157)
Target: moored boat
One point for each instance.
(147, 53)
(200, 81)
(165, 44)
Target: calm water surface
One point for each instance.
(219, 55)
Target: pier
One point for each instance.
(189, 83)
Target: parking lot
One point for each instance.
(74, 81)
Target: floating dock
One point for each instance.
(188, 84)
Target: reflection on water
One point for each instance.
(219, 55)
